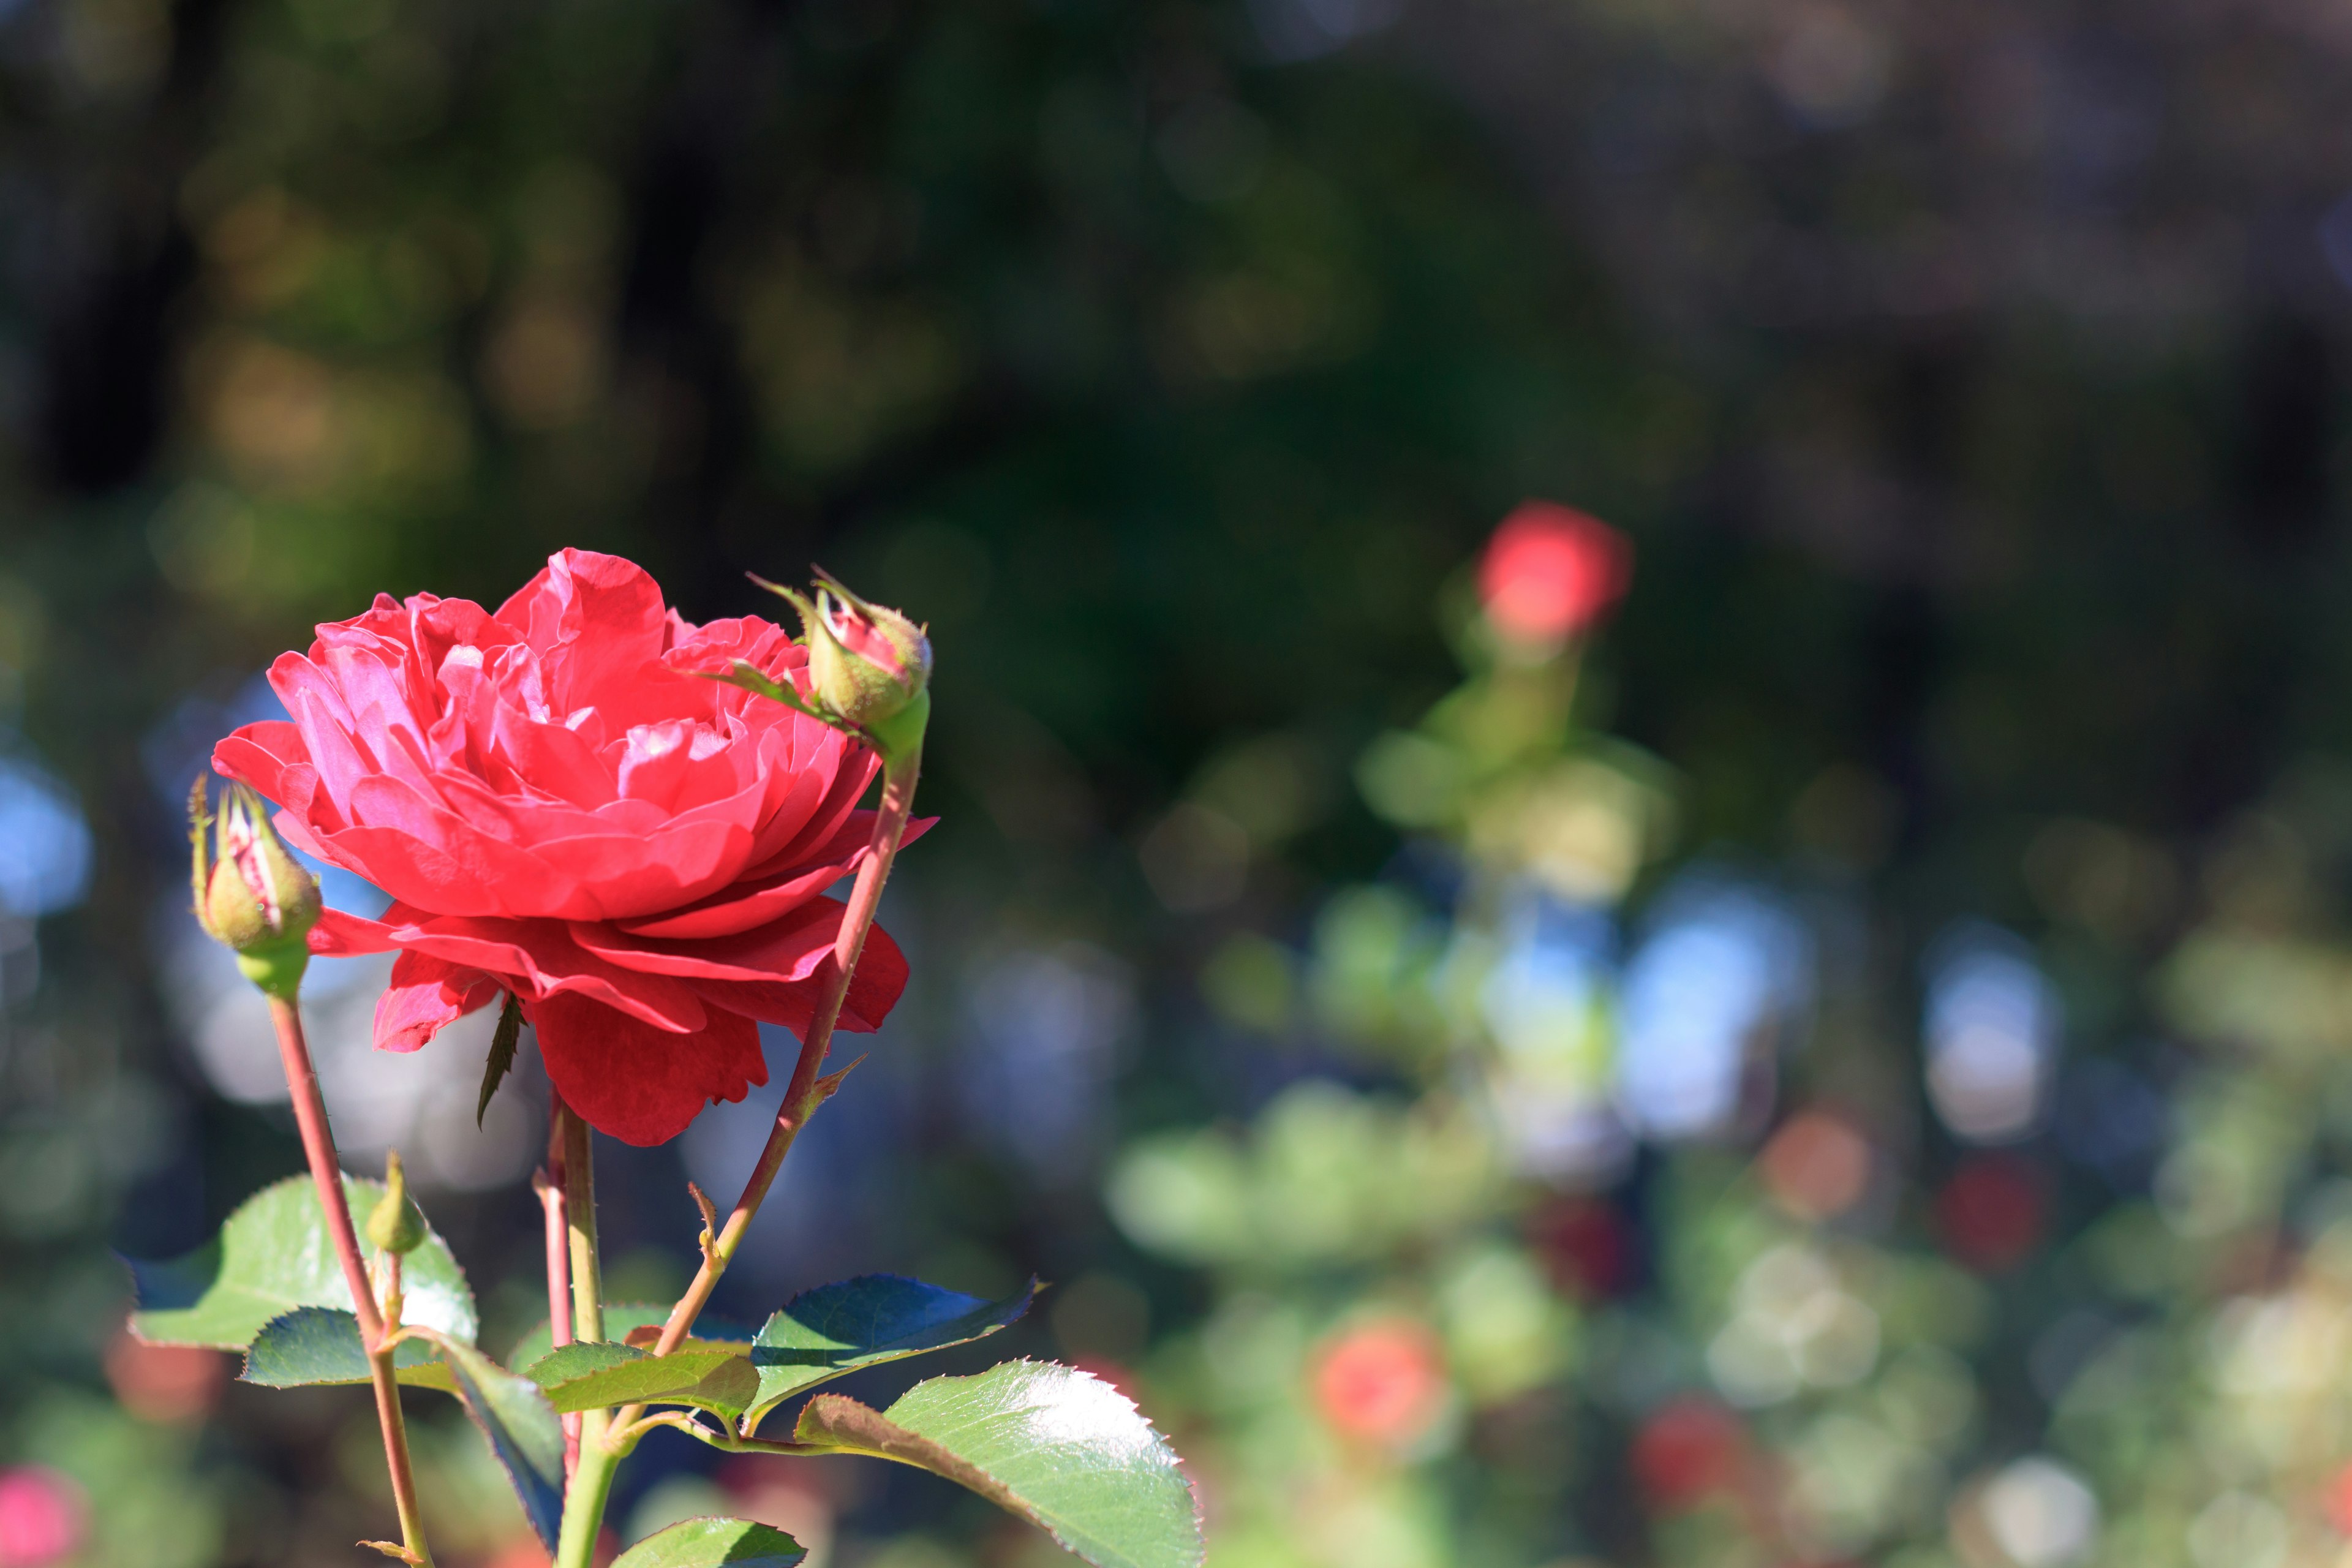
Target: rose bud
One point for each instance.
(252, 896)
(395, 1226)
(868, 663)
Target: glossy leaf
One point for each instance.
(523, 1429)
(710, 1542)
(595, 1377)
(876, 1317)
(1058, 1446)
(321, 1344)
(275, 1255)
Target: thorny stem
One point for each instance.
(326, 1173)
(807, 1091)
(579, 1221)
(802, 1096)
(549, 1186)
(590, 1483)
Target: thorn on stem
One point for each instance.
(392, 1549)
(708, 1239)
(826, 1086)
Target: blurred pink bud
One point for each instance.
(1551, 571)
(42, 1518)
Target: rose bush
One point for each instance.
(562, 806)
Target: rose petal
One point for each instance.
(341, 934)
(873, 989)
(426, 996)
(540, 958)
(639, 1084)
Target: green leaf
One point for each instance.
(621, 1320)
(275, 1255)
(708, 1543)
(875, 1317)
(321, 1344)
(523, 1430)
(503, 1041)
(717, 1378)
(1056, 1445)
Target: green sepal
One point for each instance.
(1051, 1444)
(322, 1345)
(277, 968)
(835, 1328)
(275, 1255)
(524, 1432)
(711, 1543)
(901, 735)
(599, 1375)
(748, 676)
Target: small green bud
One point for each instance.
(395, 1226)
(868, 663)
(252, 895)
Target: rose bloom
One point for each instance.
(1382, 1381)
(562, 807)
(1551, 571)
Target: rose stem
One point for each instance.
(326, 1173)
(801, 1096)
(801, 1099)
(591, 1481)
(559, 1263)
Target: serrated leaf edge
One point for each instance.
(623, 1560)
(373, 1187)
(837, 1422)
(759, 1412)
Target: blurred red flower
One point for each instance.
(561, 807)
(1990, 1212)
(1688, 1451)
(1816, 1166)
(42, 1518)
(1551, 571)
(2337, 1501)
(1382, 1381)
(165, 1383)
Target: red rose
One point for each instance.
(1550, 570)
(562, 807)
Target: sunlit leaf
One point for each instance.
(875, 1317)
(275, 1255)
(321, 1344)
(709, 1542)
(599, 1375)
(627, 1320)
(1057, 1446)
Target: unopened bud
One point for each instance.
(251, 894)
(868, 663)
(395, 1226)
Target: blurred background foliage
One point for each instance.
(1848, 1066)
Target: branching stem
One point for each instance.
(805, 1093)
(326, 1173)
